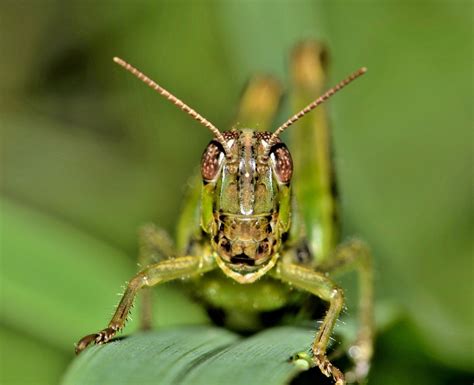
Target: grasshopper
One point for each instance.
(243, 223)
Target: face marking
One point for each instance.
(246, 173)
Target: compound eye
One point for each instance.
(211, 161)
(282, 162)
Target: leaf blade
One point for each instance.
(192, 355)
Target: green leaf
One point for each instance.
(111, 201)
(193, 355)
(26, 360)
(59, 283)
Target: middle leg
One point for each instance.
(355, 255)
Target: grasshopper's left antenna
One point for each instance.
(179, 103)
(314, 104)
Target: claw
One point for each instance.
(329, 369)
(98, 338)
(85, 342)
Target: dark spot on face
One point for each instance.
(225, 245)
(262, 247)
(242, 258)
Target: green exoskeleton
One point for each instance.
(262, 219)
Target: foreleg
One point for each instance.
(321, 286)
(160, 272)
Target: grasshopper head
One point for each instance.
(246, 198)
(245, 205)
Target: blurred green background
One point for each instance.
(89, 154)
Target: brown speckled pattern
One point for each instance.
(210, 161)
(283, 163)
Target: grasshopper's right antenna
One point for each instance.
(313, 105)
(179, 103)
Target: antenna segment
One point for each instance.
(314, 104)
(177, 102)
